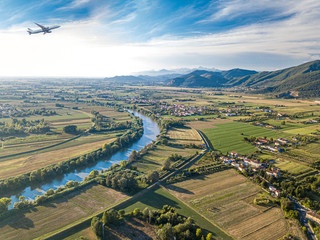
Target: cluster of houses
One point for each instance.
(6, 110)
(276, 147)
(180, 110)
(245, 164)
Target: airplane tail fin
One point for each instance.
(29, 31)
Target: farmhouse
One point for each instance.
(283, 140)
(274, 191)
(233, 154)
(263, 140)
(276, 173)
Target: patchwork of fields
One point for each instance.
(25, 154)
(156, 198)
(226, 198)
(58, 213)
(154, 159)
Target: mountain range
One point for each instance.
(297, 81)
(302, 80)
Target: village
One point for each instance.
(252, 166)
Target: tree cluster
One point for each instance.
(23, 126)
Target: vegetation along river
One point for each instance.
(151, 130)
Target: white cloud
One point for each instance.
(94, 48)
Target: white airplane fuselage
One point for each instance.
(42, 29)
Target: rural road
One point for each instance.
(304, 221)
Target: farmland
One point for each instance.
(176, 136)
(226, 198)
(58, 213)
(24, 154)
(227, 137)
(222, 203)
(158, 197)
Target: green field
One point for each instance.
(227, 137)
(156, 198)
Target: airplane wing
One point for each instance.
(42, 27)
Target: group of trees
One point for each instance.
(123, 180)
(288, 207)
(29, 112)
(170, 224)
(103, 123)
(23, 126)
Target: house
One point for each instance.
(273, 173)
(242, 168)
(237, 165)
(274, 192)
(283, 140)
(234, 154)
(265, 141)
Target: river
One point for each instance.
(151, 130)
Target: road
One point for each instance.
(304, 221)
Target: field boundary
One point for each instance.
(193, 209)
(40, 149)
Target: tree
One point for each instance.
(209, 236)
(93, 174)
(136, 212)
(198, 233)
(72, 129)
(166, 232)
(50, 192)
(96, 226)
(166, 164)
(123, 163)
(153, 177)
(4, 204)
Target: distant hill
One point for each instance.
(302, 80)
(141, 78)
(203, 78)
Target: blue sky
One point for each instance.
(114, 37)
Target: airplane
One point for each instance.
(43, 29)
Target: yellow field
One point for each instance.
(207, 123)
(26, 164)
(226, 198)
(184, 136)
(59, 213)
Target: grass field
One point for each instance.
(156, 198)
(154, 158)
(307, 130)
(226, 198)
(59, 213)
(184, 136)
(227, 137)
